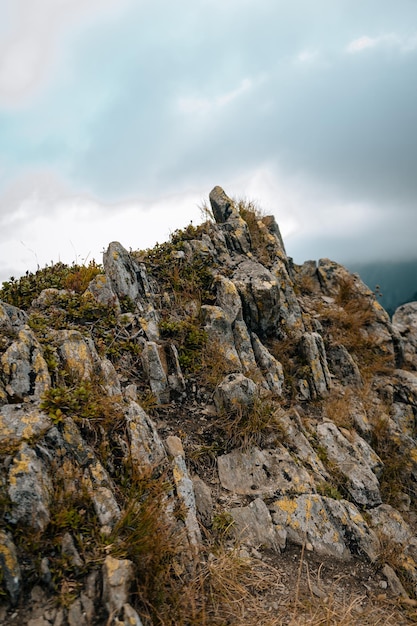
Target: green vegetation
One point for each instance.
(23, 291)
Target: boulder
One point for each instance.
(235, 393)
(404, 322)
(355, 461)
(253, 526)
(30, 489)
(263, 473)
(330, 527)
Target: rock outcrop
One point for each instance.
(206, 388)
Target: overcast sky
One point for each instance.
(117, 117)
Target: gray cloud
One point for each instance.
(176, 97)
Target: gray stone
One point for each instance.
(68, 549)
(253, 526)
(24, 370)
(355, 461)
(332, 527)
(154, 364)
(100, 489)
(227, 216)
(219, 331)
(130, 617)
(12, 319)
(130, 282)
(393, 581)
(296, 441)
(227, 297)
(146, 447)
(222, 206)
(235, 393)
(312, 348)
(77, 355)
(10, 567)
(263, 473)
(20, 424)
(404, 322)
(174, 446)
(76, 615)
(118, 576)
(260, 295)
(185, 493)
(30, 489)
(203, 501)
(101, 290)
(244, 349)
(269, 366)
(343, 366)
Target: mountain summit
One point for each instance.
(206, 433)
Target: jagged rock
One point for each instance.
(290, 312)
(390, 525)
(130, 282)
(76, 615)
(227, 216)
(129, 617)
(394, 582)
(101, 290)
(175, 377)
(68, 549)
(338, 283)
(404, 322)
(99, 487)
(111, 382)
(146, 447)
(10, 568)
(296, 441)
(355, 461)
(395, 533)
(235, 393)
(260, 295)
(269, 366)
(30, 489)
(219, 331)
(76, 353)
(253, 526)
(118, 576)
(20, 424)
(263, 473)
(227, 297)
(185, 493)
(405, 387)
(154, 364)
(244, 348)
(72, 441)
(24, 370)
(343, 366)
(12, 319)
(203, 501)
(332, 527)
(312, 348)
(222, 206)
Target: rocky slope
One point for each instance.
(175, 421)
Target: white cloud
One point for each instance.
(404, 44)
(307, 57)
(195, 104)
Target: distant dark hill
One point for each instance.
(397, 281)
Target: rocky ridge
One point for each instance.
(189, 399)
